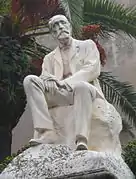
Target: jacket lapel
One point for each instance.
(75, 49)
(74, 56)
(58, 64)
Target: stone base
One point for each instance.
(96, 174)
(59, 161)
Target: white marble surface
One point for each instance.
(48, 161)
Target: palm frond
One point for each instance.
(34, 49)
(74, 11)
(112, 16)
(121, 94)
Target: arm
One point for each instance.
(46, 75)
(46, 69)
(91, 67)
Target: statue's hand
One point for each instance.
(64, 85)
(61, 84)
(51, 86)
(54, 84)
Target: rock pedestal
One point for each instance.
(59, 161)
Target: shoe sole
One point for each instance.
(34, 143)
(81, 147)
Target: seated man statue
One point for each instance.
(66, 101)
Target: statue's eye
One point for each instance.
(55, 25)
(63, 22)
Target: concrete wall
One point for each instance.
(121, 53)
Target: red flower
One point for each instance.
(102, 52)
(91, 31)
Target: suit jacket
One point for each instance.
(84, 64)
(106, 123)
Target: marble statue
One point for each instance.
(66, 100)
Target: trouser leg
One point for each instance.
(35, 93)
(39, 101)
(83, 99)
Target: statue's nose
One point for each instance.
(60, 26)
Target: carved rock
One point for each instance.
(59, 161)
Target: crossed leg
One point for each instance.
(40, 100)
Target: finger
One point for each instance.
(56, 86)
(52, 87)
(68, 87)
(47, 86)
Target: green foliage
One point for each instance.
(15, 54)
(13, 62)
(9, 159)
(33, 49)
(4, 164)
(130, 155)
(5, 6)
(14, 66)
(112, 16)
(121, 94)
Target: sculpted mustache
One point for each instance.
(62, 32)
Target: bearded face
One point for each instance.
(60, 27)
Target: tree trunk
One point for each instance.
(5, 142)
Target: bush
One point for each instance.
(129, 155)
(8, 159)
(4, 164)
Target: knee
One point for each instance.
(85, 88)
(28, 80)
(81, 86)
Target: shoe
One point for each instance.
(34, 142)
(48, 137)
(81, 142)
(81, 146)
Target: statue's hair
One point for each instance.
(51, 20)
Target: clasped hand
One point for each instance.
(53, 84)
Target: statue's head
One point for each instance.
(60, 27)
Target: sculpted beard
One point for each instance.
(63, 34)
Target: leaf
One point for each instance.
(121, 94)
(35, 50)
(5, 6)
(112, 16)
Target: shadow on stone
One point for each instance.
(97, 174)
